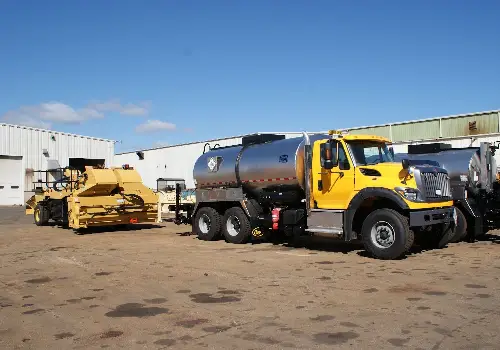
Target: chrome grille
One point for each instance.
(432, 182)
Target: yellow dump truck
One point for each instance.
(95, 197)
(335, 185)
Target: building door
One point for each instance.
(11, 177)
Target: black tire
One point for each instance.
(236, 226)
(411, 235)
(41, 215)
(461, 229)
(394, 224)
(212, 219)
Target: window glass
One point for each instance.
(370, 152)
(343, 162)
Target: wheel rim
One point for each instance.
(37, 215)
(383, 234)
(233, 226)
(204, 224)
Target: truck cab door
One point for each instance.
(332, 188)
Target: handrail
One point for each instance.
(307, 172)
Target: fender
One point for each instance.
(473, 214)
(470, 206)
(360, 197)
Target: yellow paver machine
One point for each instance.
(96, 196)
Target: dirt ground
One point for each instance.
(159, 287)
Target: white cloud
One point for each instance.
(44, 114)
(114, 105)
(154, 125)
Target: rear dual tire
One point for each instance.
(234, 225)
(386, 234)
(207, 224)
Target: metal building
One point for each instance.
(463, 130)
(24, 150)
(175, 161)
(459, 130)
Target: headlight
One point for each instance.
(412, 194)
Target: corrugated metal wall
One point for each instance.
(456, 126)
(418, 130)
(174, 161)
(384, 131)
(471, 125)
(472, 141)
(30, 142)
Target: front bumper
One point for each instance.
(433, 216)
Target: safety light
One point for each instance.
(336, 134)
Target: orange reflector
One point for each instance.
(133, 220)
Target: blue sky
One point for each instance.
(165, 72)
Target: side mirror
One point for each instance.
(406, 163)
(328, 156)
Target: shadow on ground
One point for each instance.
(488, 238)
(316, 244)
(117, 228)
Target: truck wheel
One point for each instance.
(386, 234)
(41, 215)
(461, 229)
(236, 226)
(207, 223)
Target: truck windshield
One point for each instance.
(370, 152)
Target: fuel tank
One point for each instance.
(257, 167)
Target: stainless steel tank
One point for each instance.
(463, 165)
(255, 167)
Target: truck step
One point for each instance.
(333, 231)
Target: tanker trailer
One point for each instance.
(335, 185)
(474, 184)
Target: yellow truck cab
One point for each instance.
(380, 199)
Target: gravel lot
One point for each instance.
(160, 287)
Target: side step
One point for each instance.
(326, 231)
(324, 222)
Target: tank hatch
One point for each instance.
(261, 138)
(428, 148)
